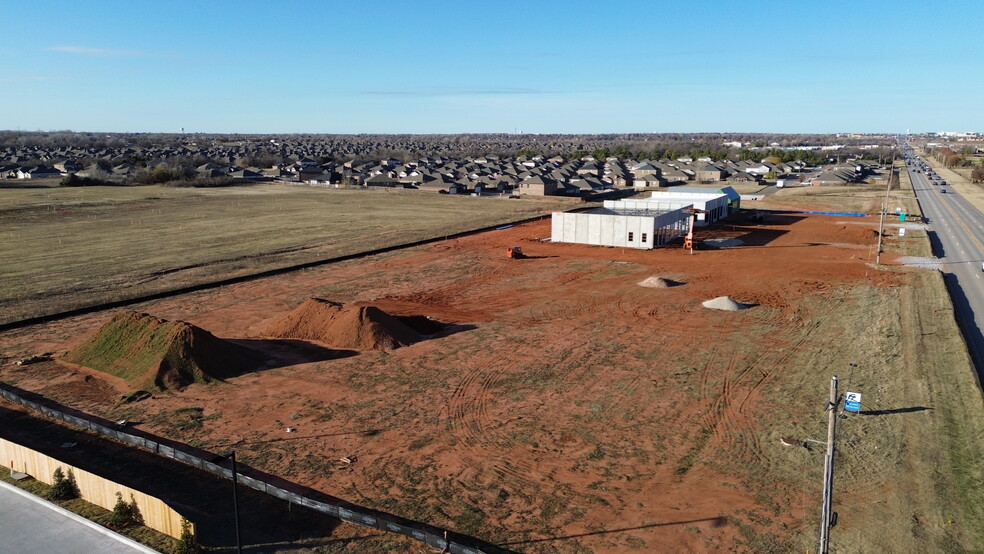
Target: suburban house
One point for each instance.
(642, 169)
(538, 186)
(384, 179)
(39, 172)
(743, 177)
(648, 181)
(69, 166)
(710, 173)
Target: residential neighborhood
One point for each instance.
(347, 163)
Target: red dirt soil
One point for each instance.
(568, 404)
(338, 326)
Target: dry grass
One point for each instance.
(62, 248)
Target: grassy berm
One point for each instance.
(150, 353)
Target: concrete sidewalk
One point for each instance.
(29, 525)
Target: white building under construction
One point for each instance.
(642, 223)
(626, 227)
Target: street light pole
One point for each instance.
(235, 502)
(235, 497)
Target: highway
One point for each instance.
(956, 231)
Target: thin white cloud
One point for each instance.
(102, 52)
(491, 91)
(29, 79)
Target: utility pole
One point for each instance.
(881, 221)
(828, 468)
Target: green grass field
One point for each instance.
(64, 248)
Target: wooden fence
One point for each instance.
(92, 488)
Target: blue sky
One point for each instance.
(505, 66)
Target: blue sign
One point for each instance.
(852, 402)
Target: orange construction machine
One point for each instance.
(688, 241)
(514, 252)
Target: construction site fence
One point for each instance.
(438, 538)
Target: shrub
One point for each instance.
(64, 487)
(74, 180)
(125, 514)
(188, 543)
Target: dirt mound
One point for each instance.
(153, 353)
(358, 327)
(658, 283)
(724, 303)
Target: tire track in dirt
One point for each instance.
(613, 307)
(520, 471)
(727, 424)
(728, 414)
(554, 310)
(476, 429)
(794, 339)
(467, 408)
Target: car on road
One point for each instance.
(943, 191)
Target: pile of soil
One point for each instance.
(725, 303)
(658, 283)
(155, 354)
(357, 327)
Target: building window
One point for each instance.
(630, 237)
(644, 237)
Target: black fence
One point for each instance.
(447, 541)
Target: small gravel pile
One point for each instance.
(724, 303)
(658, 283)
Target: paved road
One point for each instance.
(956, 230)
(29, 525)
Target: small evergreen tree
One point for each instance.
(188, 543)
(125, 513)
(63, 488)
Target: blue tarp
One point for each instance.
(850, 214)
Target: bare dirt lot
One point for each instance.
(562, 407)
